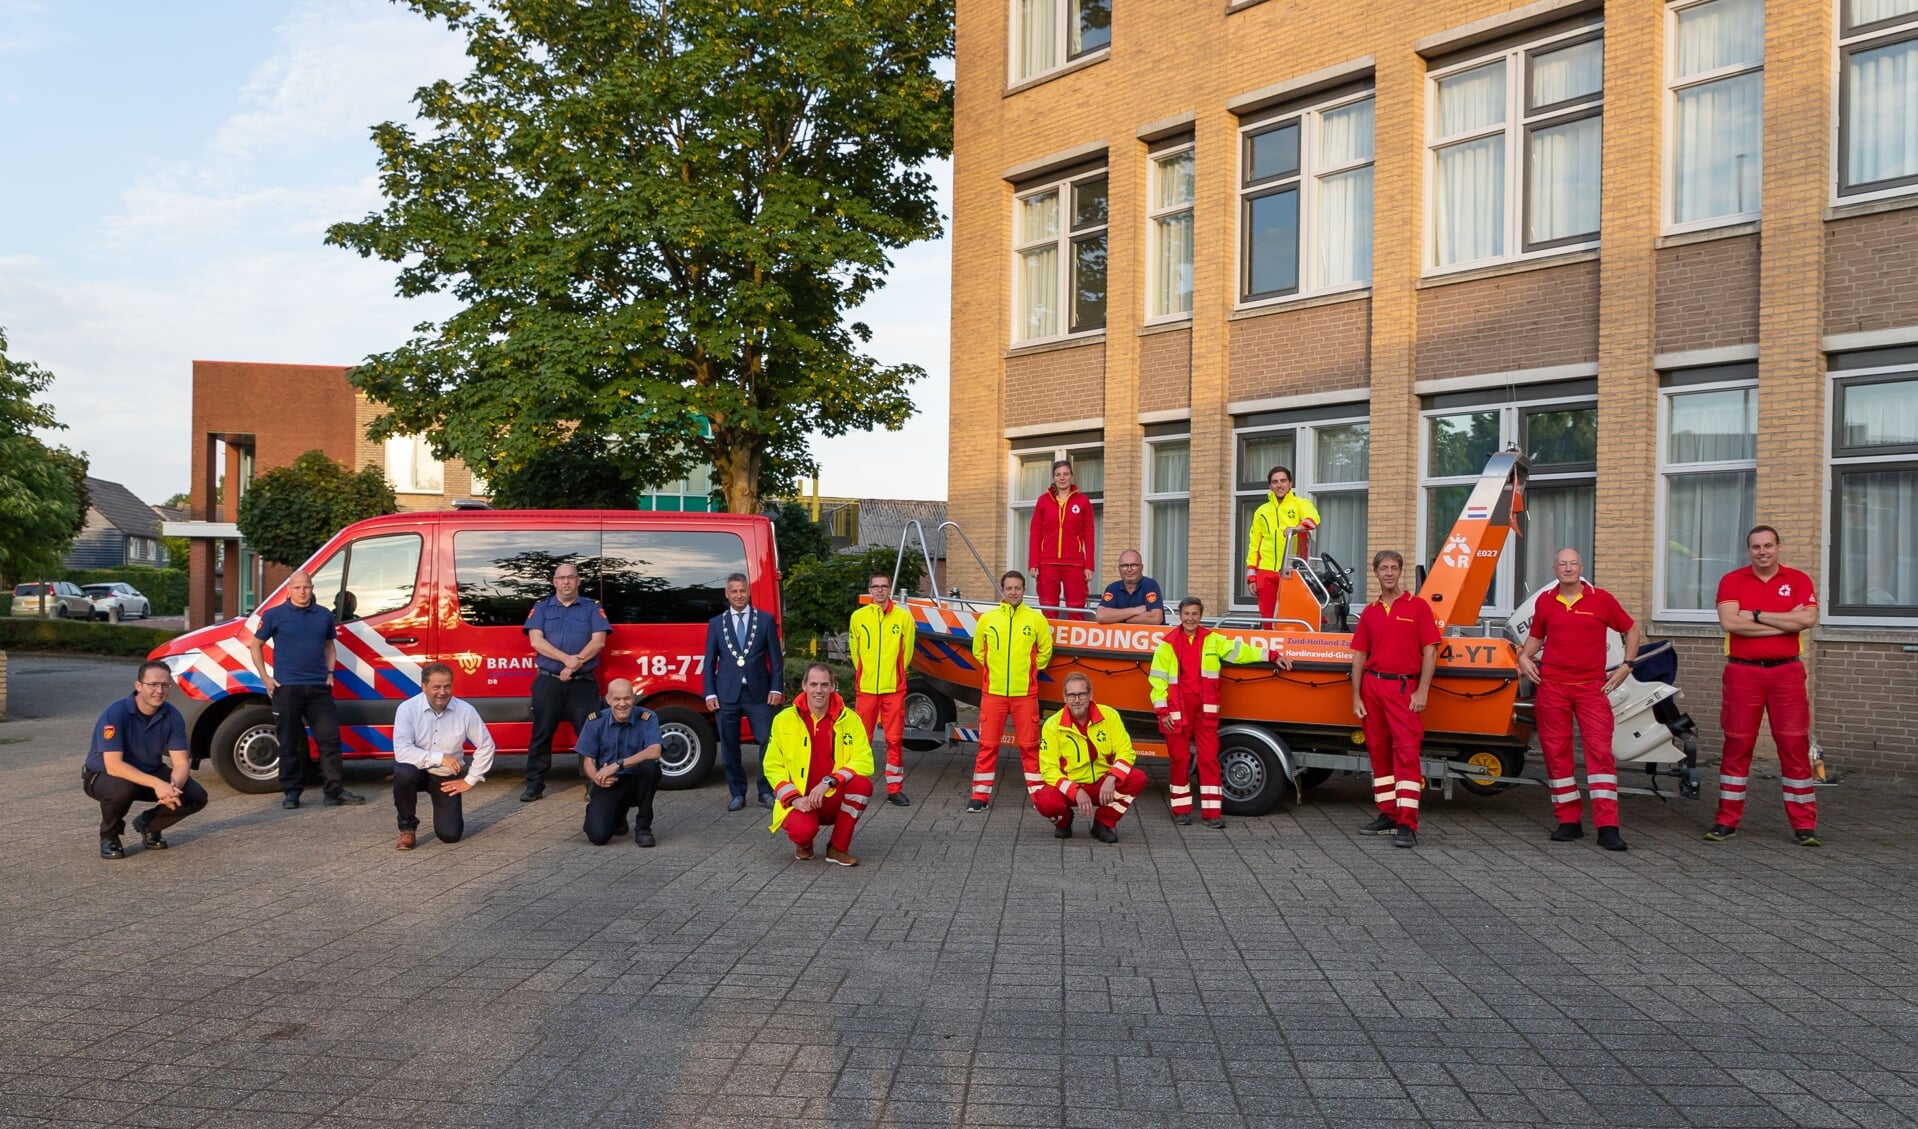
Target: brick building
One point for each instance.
(1665, 247)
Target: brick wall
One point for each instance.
(456, 480)
(1055, 386)
(1871, 274)
(1165, 371)
(1535, 319)
(1701, 667)
(1316, 349)
(1708, 294)
(1861, 713)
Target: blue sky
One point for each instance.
(167, 172)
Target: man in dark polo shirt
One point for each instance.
(124, 764)
(619, 756)
(300, 685)
(567, 631)
(1134, 597)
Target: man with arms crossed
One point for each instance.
(1134, 597)
(300, 686)
(1394, 652)
(431, 730)
(123, 766)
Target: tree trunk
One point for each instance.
(737, 466)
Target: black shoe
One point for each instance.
(1062, 830)
(643, 838)
(737, 803)
(345, 799)
(1611, 840)
(766, 800)
(532, 793)
(975, 805)
(1806, 837)
(1183, 820)
(1215, 823)
(149, 839)
(290, 802)
(1567, 832)
(1719, 833)
(1381, 824)
(1405, 837)
(898, 800)
(622, 827)
(110, 848)
(1103, 833)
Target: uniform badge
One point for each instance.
(1784, 589)
(1151, 596)
(594, 716)
(107, 733)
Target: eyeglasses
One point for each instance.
(1076, 697)
(1131, 564)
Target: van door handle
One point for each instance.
(401, 640)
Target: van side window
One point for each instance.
(667, 576)
(501, 574)
(381, 574)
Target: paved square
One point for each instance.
(290, 968)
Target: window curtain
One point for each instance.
(1716, 156)
(1173, 272)
(1341, 533)
(1880, 414)
(1167, 550)
(1860, 12)
(1345, 228)
(1713, 427)
(1472, 100)
(1573, 72)
(1706, 516)
(1039, 291)
(1557, 516)
(1038, 36)
(1561, 191)
(1726, 33)
(1878, 539)
(1471, 201)
(1882, 123)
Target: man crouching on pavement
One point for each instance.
(1087, 761)
(123, 765)
(819, 762)
(619, 751)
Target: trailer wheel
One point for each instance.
(927, 709)
(688, 748)
(1489, 762)
(1252, 781)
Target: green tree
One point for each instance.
(177, 548)
(41, 507)
(574, 474)
(287, 513)
(798, 536)
(819, 593)
(657, 218)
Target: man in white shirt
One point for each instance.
(430, 733)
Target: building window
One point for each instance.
(1168, 494)
(1048, 34)
(1169, 229)
(1032, 476)
(1059, 259)
(411, 467)
(1330, 463)
(1560, 437)
(1878, 96)
(691, 494)
(1305, 211)
(1717, 79)
(1515, 152)
(1874, 477)
(1708, 463)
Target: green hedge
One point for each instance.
(796, 665)
(165, 588)
(81, 638)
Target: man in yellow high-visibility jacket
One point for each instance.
(881, 638)
(820, 766)
(1086, 759)
(1012, 643)
(1283, 514)
(1186, 695)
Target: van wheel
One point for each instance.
(928, 709)
(688, 748)
(1251, 779)
(246, 750)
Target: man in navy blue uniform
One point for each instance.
(745, 675)
(1134, 597)
(619, 756)
(567, 631)
(301, 688)
(131, 739)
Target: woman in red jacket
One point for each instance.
(1060, 549)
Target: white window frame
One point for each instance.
(1305, 464)
(421, 449)
(1517, 125)
(1309, 175)
(1019, 516)
(1835, 463)
(1503, 595)
(1846, 43)
(1673, 86)
(1666, 469)
(1062, 243)
(1062, 35)
(1148, 497)
(1153, 215)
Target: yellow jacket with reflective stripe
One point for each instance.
(1265, 543)
(1013, 643)
(1215, 650)
(787, 757)
(1082, 760)
(881, 643)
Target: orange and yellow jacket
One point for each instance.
(787, 759)
(881, 641)
(1073, 760)
(1013, 643)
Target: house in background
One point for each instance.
(120, 530)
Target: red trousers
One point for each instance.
(1063, 586)
(888, 712)
(1558, 703)
(1777, 692)
(1052, 803)
(1266, 584)
(1200, 732)
(840, 810)
(993, 711)
(1394, 735)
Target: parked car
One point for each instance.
(117, 601)
(68, 601)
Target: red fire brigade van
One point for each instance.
(409, 589)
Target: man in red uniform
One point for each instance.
(1394, 652)
(1184, 681)
(1572, 683)
(1060, 546)
(1764, 608)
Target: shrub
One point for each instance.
(164, 587)
(78, 637)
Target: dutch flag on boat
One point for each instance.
(1472, 512)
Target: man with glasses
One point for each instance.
(300, 686)
(1086, 758)
(567, 631)
(881, 638)
(131, 739)
(1134, 597)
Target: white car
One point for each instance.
(117, 601)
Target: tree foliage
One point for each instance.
(657, 218)
(287, 513)
(576, 474)
(820, 592)
(41, 500)
(798, 536)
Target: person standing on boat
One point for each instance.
(1283, 513)
(1012, 643)
(881, 637)
(1394, 652)
(1060, 543)
(1185, 695)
